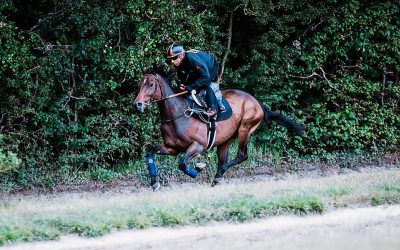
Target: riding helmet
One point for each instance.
(174, 50)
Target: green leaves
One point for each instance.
(69, 72)
(325, 62)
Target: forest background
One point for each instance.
(70, 69)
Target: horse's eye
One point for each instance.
(151, 84)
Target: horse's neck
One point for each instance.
(173, 107)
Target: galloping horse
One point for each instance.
(189, 135)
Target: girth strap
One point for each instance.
(212, 132)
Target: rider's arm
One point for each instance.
(204, 80)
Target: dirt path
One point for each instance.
(356, 228)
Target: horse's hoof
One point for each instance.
(217, 181)
(200, 166)
(156, 186)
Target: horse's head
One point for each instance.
(150, 90)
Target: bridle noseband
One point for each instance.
(158, 84)
(152, 100)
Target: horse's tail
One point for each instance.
(292, 126)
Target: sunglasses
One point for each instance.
(172, 57)
(169, 57)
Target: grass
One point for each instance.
(92, 214)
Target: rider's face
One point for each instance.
(177, 60)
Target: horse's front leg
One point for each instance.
(194, 150)
(160, 149)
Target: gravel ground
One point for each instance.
(350, 228)
(356, 228)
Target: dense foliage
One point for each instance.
(69, 71)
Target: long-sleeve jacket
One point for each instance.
(197, 70)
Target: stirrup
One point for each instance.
(212, 114)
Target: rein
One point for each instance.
(171, 96)
(152, 100)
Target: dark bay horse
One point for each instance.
(188, 135)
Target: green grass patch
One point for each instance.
(92, 215)
(336, 192)
(80, 228)
(16, 233)
(385, 199)
(243, 209)
(170, 218)
(141, 222)
(390, 187)
(386, 193)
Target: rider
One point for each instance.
(195, 70)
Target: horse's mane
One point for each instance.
(160, 70)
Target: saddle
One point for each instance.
(198, 108)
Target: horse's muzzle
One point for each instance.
(139, 106)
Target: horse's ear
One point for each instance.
(143, 69)
(155, 67)
(159, 69)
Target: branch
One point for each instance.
(240, 5)
(311, 27)
(32, 69)
(152, 18)
(228, 46)
(51, 14)
(383, 87)
(119, 34)
(306, 77)
(316, 74)
(327, 80)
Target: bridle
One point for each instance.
(152, 100)
(158, 84)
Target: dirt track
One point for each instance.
(350, 228)
(358, 228)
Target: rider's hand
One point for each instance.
(182, 87)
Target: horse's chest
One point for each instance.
(173, 138)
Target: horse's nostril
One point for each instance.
(138, 106)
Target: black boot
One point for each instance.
(212, 114)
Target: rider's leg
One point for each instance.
(211, 101)
(218, 95)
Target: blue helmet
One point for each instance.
(174, 50)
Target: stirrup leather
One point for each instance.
(196, 99)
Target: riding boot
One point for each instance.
(212, 113)
(221, 106)
(218, 95)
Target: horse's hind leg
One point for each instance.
(244, 135)
(223, 154)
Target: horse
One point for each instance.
(188, 135)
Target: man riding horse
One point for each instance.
(186, 135)
(195, 70)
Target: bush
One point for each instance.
(8, 161)
(69, 71)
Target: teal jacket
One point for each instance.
(197, 70)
